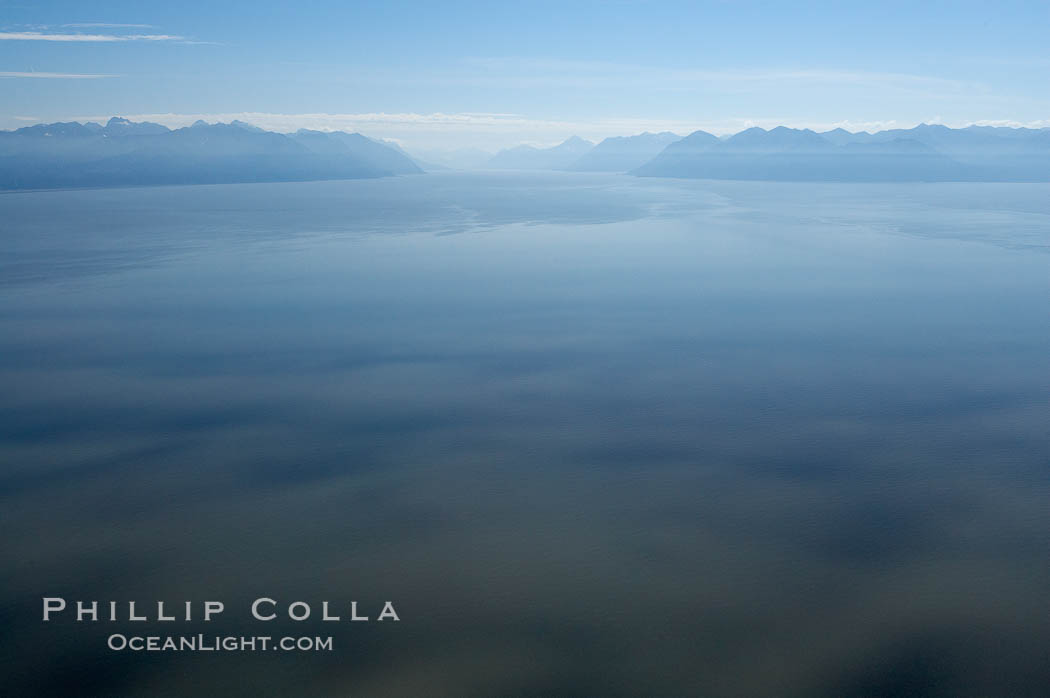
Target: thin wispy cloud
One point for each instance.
(47, 36)
(533, 72)
(105, 25)
(852, 77)
(55, 76)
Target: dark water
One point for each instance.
(592, 435)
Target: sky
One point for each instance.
(446, 75)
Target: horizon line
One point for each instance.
(462, 122)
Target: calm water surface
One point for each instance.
(593, 435)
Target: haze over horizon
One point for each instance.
(589, 69)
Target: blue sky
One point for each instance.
(451, 74)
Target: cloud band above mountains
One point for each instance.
(495, 130)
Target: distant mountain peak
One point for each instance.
(756, 138)
(120, 126)
(527, 157)
(246, 126)
(701, 135)
(623, 153)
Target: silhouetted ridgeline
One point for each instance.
(926, 153)
(617, 154)
(624, 153)
(526, 157)
(123, 153)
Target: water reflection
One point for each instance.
(616, 439)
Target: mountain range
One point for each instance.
(925, 153)
(126, 153)
(388, 157)
(623, 153)
(122, 152)
(526, 157)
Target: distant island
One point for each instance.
(122, 152)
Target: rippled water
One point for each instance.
(592, 435)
